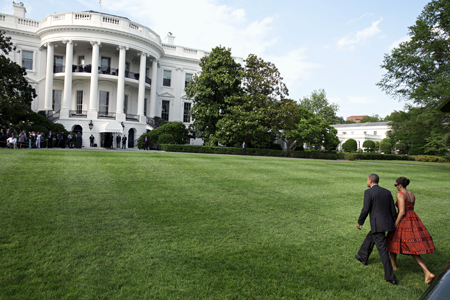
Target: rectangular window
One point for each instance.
(374, 133)
(104, 102)
(105, 65)
(165, 110)
(79, 102)
(145, 106)
(56, 103)
(125, 104)
(127, 66)
(58, 64)
(365, 132)
(353, 132)
(147, 72)
(187, 79)
(27, 60)
(187, 108)
(81, 61)
(166, 78)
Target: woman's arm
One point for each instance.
(401, 208)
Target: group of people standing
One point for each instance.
(406, 233)
(35, 139)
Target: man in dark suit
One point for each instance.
(50, 140)
(378, 202)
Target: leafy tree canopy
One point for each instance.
(16, 94)
(418, 70)
(176, 130)
(373, 118)
(350, 145)
(213, 91)
(318, 104)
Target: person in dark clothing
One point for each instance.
(146, 143)
(79, 140)
(124, 142)
(111, 140)
(62, 142)
(118, 140)
(91, 139)
(378, 202)
(50, 140)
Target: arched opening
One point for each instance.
(131, 138)
(77, 128)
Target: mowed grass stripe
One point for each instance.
(165, 226)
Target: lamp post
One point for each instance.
(91, 125)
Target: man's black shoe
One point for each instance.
(393, 282)
(360, 259)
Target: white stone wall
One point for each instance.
(361, 132)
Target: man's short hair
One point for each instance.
(374, 178)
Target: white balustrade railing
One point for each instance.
(59, 17)
(134, 26)
(191, 51)
(83, 17)
(110, 20)
(26, 22)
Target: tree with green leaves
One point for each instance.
(418, 69)
(370, 119)
(437, 144)
(176, 130)
(350, 145)
(414, 126)
(318, 104)
(213, 91)
(16, 94)
(250, 115)
(369, 145)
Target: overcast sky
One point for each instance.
(316, 44)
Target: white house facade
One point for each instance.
(361, 132)
(102, 74)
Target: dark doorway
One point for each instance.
(105, 139)
(131, 138)
(77, 128)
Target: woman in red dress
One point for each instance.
(410, 236)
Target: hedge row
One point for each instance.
(429, 158)
(249, 151)
(376, 156)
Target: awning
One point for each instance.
(113, 127)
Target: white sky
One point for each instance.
(316, 44)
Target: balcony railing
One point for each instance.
(101, 70)
(52, 116)
(131, 117)
(77, 113)
(106, 115)
(151, 122)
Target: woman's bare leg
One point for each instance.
(428, 275)
(393, 260)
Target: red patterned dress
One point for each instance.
(410, 235)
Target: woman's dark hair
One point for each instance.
(403, 181)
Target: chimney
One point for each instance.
(170, 38)
(19, 9)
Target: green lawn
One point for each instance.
(120, 225)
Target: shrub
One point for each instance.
(386, 147)
(376, 156)
(369, 145)
(430, 158)
(165, 138)
(350, 145)
(176, 129)
(401, 147)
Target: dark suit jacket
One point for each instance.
(379, 203)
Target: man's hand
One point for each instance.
(358, 226)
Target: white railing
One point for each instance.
(169, 47)
(28, 22)
(83, 17)
(59, 17)
(110, 20)
(191, 51)
(134, 26)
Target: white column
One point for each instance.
(153, 111)
(93, 96)
(120, 116)
(67, 80)
(49, 77)
(141, 94)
